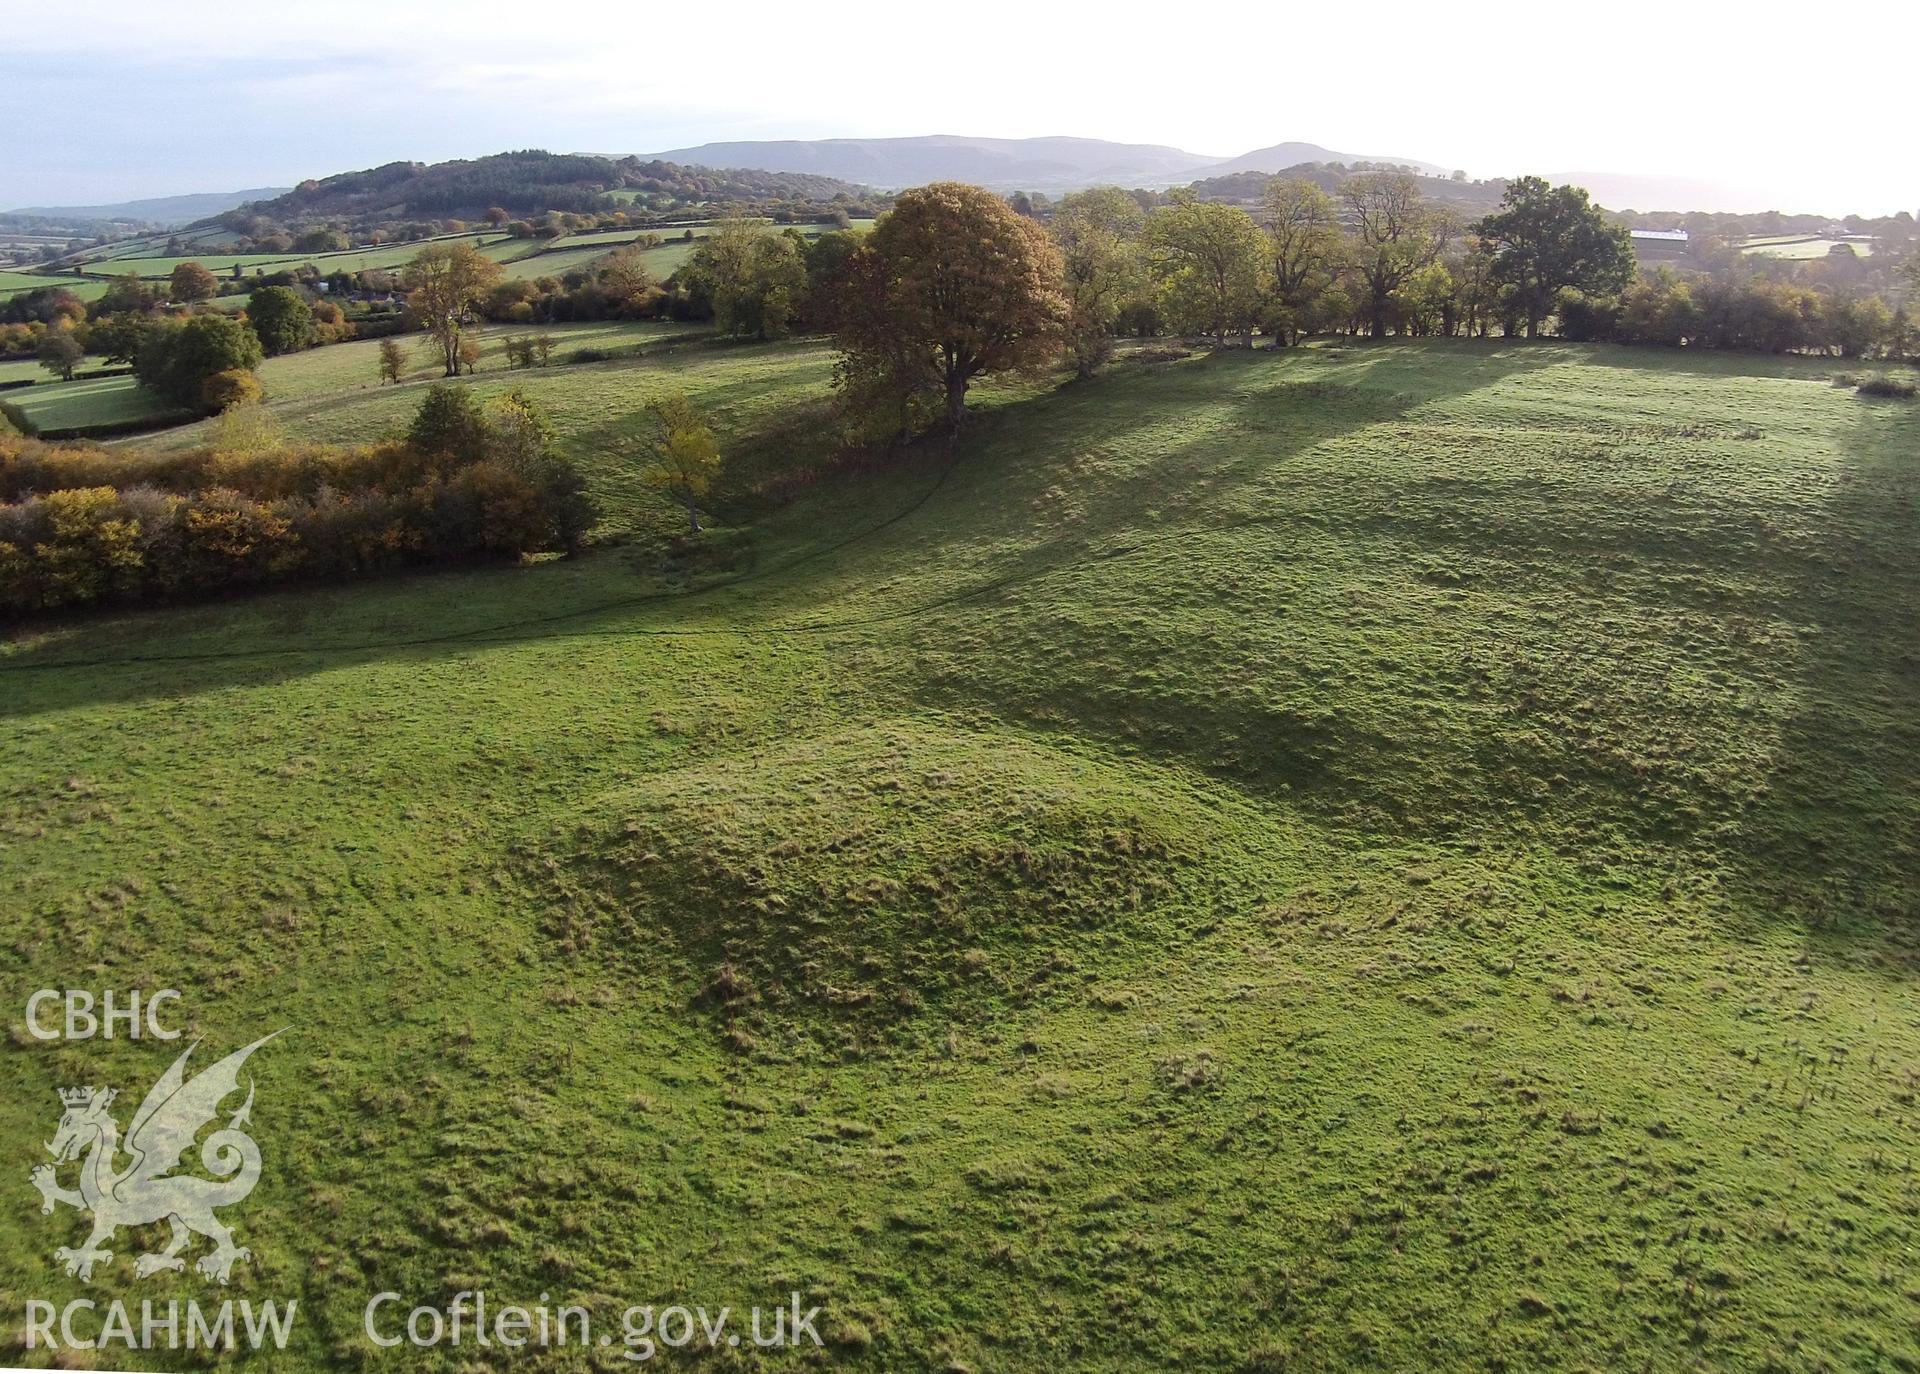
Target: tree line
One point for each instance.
(1374, 255)
(955, 283)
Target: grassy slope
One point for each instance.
(311, 386)
(1390, 855)
(339, 371)
(325, 395)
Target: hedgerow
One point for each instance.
(84, 525)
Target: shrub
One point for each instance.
(234, 387)
(1888, 386)
(1588, 319)
(449, 421)
(233, 541)
(85, 549)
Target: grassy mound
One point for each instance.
(867, 875)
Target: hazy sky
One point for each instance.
(1813, 107)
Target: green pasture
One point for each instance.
(88, 402)
(221, 264)
(19, 283)
(1368, 857)
(336, 372)
(1803, 249)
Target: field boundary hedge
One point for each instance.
(81, 526)
(114, 429)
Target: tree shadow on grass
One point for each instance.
(822, 554)
(1832, 838)
(1433, 630)
(1136, 620)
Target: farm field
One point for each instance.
(86, 402)
(29, 370)
(578, 250)
(1802, 248)
(19, 283)
(24, 370)
(391, 255)
(328, 376)
(338, 370)
(1381, 855)
(597, 409)
(671, 256)
(553, 261)
(615, 237)
(523, 259)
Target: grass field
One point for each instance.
(1397, 856)
(522, 258)
(339, 370)
(19, 283)
(327, 395)
(311, 386)
(89, 402)
(221, 264)
(1802, 248)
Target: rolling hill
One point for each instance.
(531, 181)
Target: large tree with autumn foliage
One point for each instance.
(191, 282)
(950, 286)
(444, 282)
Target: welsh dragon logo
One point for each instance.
(147, 1190)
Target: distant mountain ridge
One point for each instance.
(1004, 164)
(168, 212)
(810, 170)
